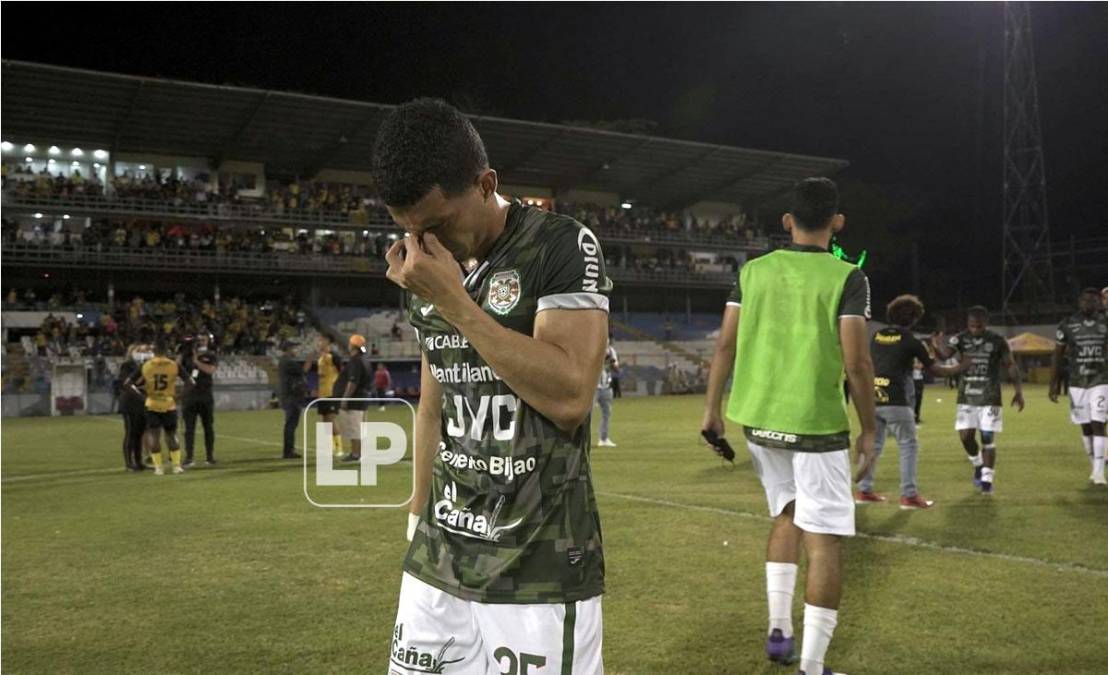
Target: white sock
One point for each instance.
(819, 624)
(780, 583)
(987, 475)
(1098, 454)
(976, 459)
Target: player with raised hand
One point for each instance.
(980, 405)
(794, 322)
(506, 569)
(1083, 339)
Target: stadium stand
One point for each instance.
(271, 190)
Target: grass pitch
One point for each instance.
(230, 569)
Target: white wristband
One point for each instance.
(413, 523)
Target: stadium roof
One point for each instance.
(298, 133)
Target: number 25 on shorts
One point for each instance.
(520, 665)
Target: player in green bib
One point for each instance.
(1083, 339)
(794, 323)
(506, 567)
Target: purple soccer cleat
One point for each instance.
(779, 648)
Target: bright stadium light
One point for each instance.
(6, 146)
(96, 165)
(51, 162)
(38, 216)
(100, 154)
(142, 167)
(625, 205)
(54, 150)
(74, 163)
(65, 217)
(77, 152)
(28, 148)
(29, 159)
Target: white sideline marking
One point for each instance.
(120, 470)
(890, 539)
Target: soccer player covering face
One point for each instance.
(795, 321)
(980, 405)
(1083, 339)
(505, 570)
(894, 349)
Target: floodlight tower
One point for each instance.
(1028, 275)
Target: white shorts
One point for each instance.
(436, 632)
(983, 417)
(819, 483)
(349, 424)
(1089, 405)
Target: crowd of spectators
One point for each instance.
(167, 186)
(668, 259)
(357, 201)
(643, 222)
(339, 198)
(138, 235)
(105, 329)
(22, 180)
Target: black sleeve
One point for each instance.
(573, 275)
(210, 359)
(1002, 348)
(855, 298)
(1063, 334)
(919, 350)
(735, 297)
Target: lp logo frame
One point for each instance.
(366, 474)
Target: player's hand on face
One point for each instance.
(428, 270)
(865, 454)
(1017, 401)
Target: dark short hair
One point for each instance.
(904, 310)
(423, 144)
(815, 201)
(978, 312)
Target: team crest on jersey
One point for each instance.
(504, 291)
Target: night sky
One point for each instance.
(910, 94)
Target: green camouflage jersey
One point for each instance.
(511, 516)
(980, 384)
(1086, 342)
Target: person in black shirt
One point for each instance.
(894, 350)
(292, 390)
(132, 406)
(354, 381)
(200, 363)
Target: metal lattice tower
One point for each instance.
(1028, 276)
